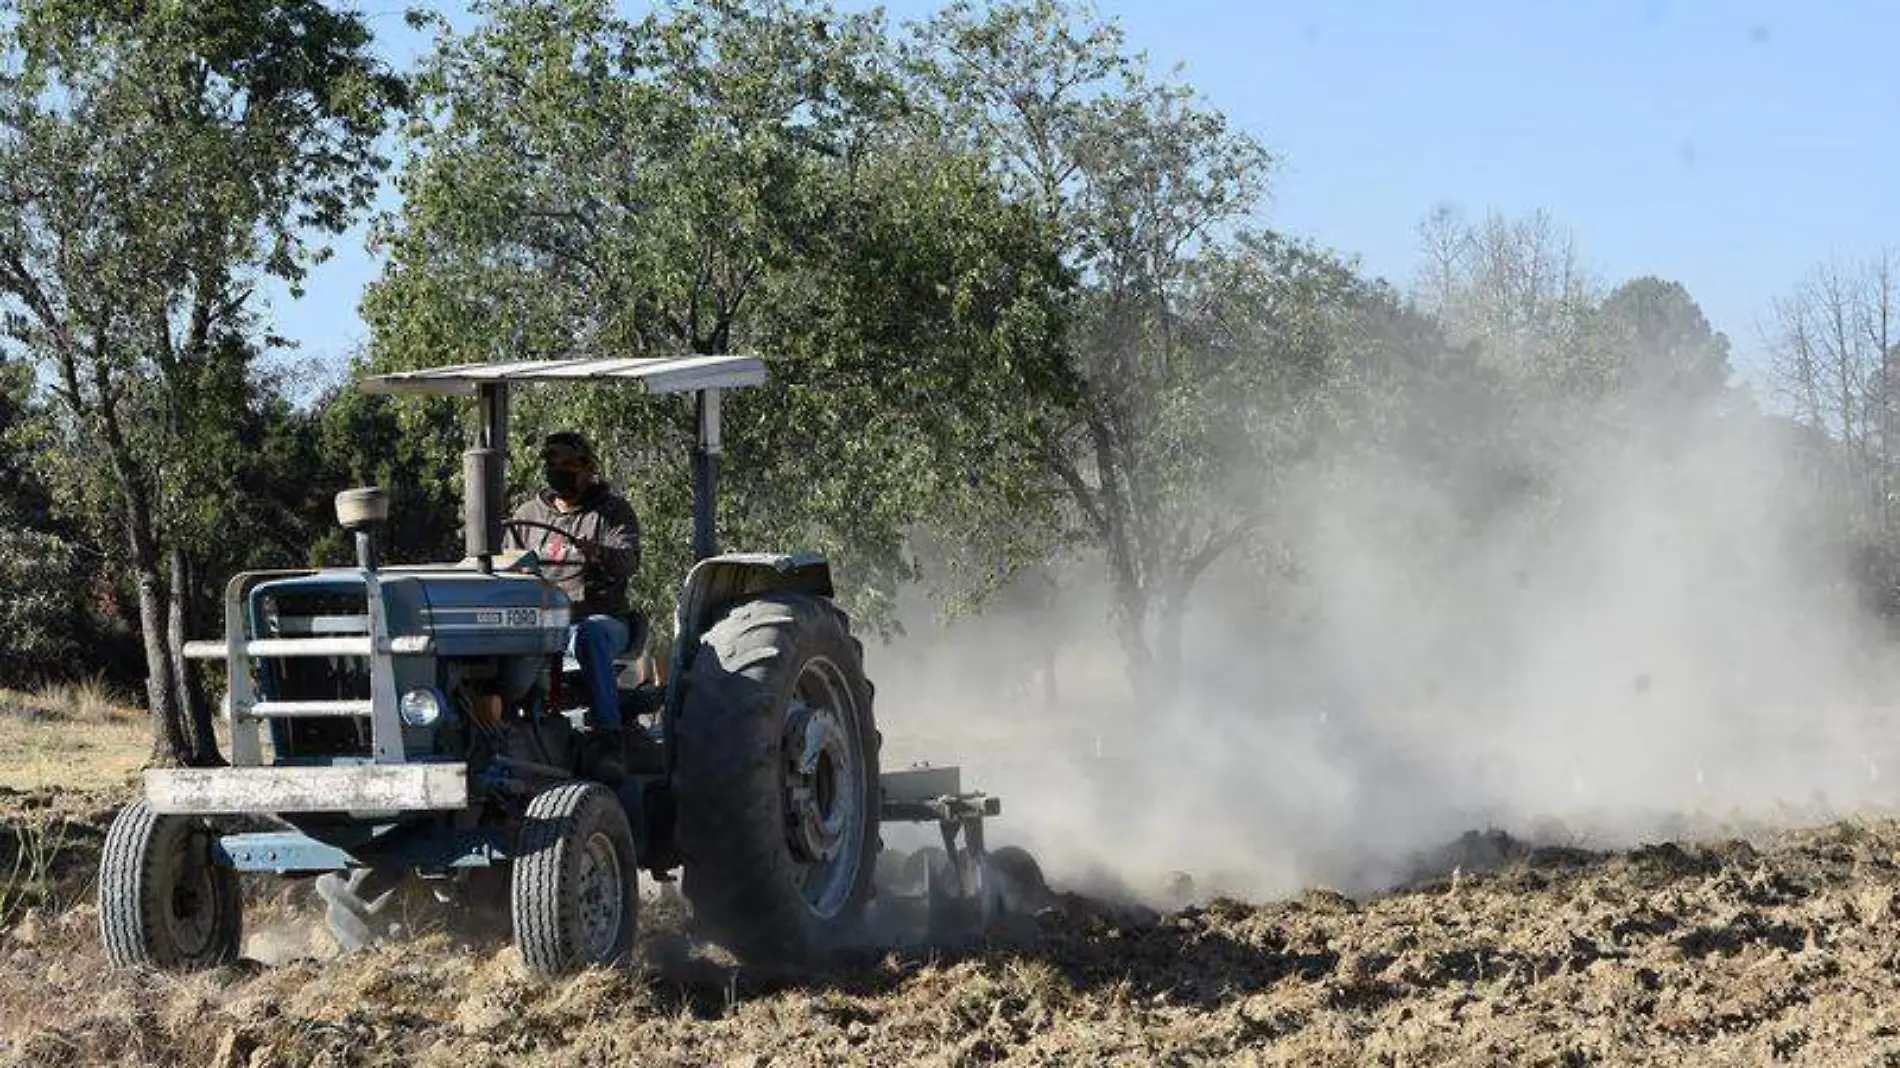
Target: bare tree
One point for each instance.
(1835, 345)
(1513, 286)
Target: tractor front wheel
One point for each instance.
(777, 779)
(164, 900)
(573, 895)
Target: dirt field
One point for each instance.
(1783, 949)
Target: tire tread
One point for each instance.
(128, 867)
(729, 820)
(541, 899)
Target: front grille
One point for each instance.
(299, 613)
(325, 678)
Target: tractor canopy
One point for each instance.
(483, 465)
(683, 374)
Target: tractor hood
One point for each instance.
(464, 613)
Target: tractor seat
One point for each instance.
(638, 632)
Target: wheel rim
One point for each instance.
(600, 893)
(824, 787)
(191, 905)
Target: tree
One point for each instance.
(1835, 346)
(23, 497)
(160, 160)
(42, 580)
(1514, 287)
(1200, 349)
(718, 178)
(412, 451)
(1654, 344)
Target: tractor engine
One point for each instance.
(474, 660)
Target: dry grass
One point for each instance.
(29, 877)
(1723, 954)
(76, 736)
(1728, 953)
(87, 701)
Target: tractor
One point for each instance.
(389, 723)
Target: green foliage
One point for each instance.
(45, 575)
(1656, 344)
(158, 157)
(1200, 349)
(43, 587)
(1265, 342)
(160, 161)
(229, 132)
(721, 178)
(23, 497)
(410, 448)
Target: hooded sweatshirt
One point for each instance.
(606, 525)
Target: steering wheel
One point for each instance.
(539, 562)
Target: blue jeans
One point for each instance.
(594, 642)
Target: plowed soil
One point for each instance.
(1785, 948)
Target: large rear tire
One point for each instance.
(164, 900)
(777, 780)
(573, 893)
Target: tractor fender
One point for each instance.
(717, 583)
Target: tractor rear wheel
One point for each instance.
(164, 900)
(777, 780)
(573, 893)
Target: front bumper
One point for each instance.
(344, 788)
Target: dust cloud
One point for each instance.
(1663, 640)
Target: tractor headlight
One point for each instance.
(421, 708)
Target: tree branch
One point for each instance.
(1078, 487)
(1219, 544)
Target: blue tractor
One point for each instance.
(396, 722)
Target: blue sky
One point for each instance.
(1731, 145)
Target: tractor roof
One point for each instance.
(680, 374)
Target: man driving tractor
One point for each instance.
(591, 537)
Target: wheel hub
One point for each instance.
(599, 891)
(190, 914)
(824, 776)
(817, 794)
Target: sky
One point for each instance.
(1730, 145)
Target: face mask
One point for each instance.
(563, 483)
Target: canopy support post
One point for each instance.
(706, 474)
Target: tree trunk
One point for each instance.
(170, 745)
(1130, 606)
(1171, 607)
(1131, 631)
(196, 709)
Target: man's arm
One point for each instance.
(615, 554)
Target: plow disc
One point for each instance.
(959, 890)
